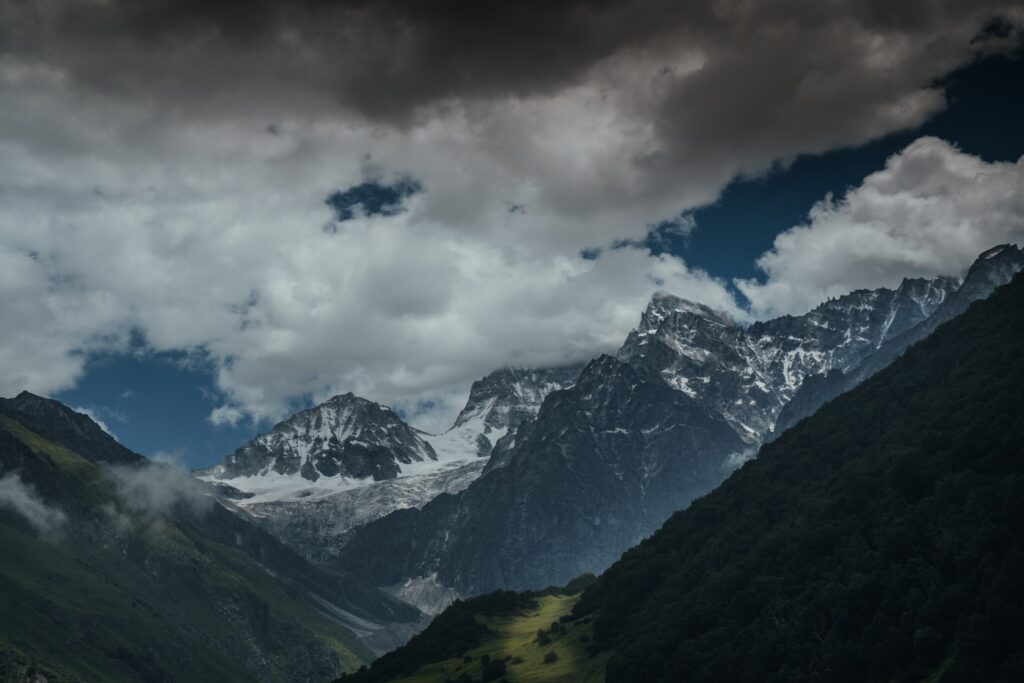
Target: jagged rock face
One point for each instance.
(993, 268)
(59, 423)
(603, 465)
(504, 399)
(749, 375)
(347, 437)
(916, 300)
(841, 332)
(508, 396)
(704, 355)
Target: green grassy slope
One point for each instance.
(112, 594)
(881, 539)
(504, 633)
(513, 639)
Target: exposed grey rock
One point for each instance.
(426, 593)
(993, 268)
(604, 463)
(505, 398)
(689, 397)
(306, 480)
(318, 526)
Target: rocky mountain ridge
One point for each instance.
(57, 422)
(689, 396)
(314, 478)
(599, 465)
(993, 268)
(841, 553)
(748, 375)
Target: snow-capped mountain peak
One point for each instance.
(343, 442)
(348, 461)
(747, 375)
(500, 402)
(664, 305)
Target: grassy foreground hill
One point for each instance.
(125, 570)
(881, 539)
(502, 636)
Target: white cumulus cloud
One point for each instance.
(930, 211)
(22, 498)
(165, 180)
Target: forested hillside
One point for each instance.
(881, 539)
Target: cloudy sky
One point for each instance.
(212, 213)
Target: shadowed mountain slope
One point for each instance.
(881, 539)
(133, 571)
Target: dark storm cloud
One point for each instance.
(164, 167)
(693, 93)
(382, 58)
(386, 58)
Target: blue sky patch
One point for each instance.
(372, 198)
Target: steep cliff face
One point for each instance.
(879, 539)
(499, 403)
(748, 375)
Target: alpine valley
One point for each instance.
(551, 473)
(839, 554)
(118, 568)
(390, 341)
(343, 531)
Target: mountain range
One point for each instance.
(689, 397)
(880, 539)
(319, 475)
(336, 535)
(549, 473)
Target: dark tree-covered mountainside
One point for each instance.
(881, 539)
